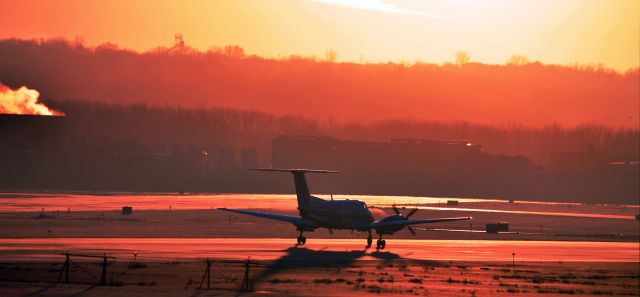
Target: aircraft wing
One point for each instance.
(413, 222)
(298, 170)
(293, 220)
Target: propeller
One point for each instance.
(413, 232)
(412, 212)
(395, 209)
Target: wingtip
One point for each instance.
(295, 170)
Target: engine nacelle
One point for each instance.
(392, 229)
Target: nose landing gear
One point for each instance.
(369, 240)
(381, 243)
(301, 239)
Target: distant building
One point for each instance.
(398, 155)
(30, 132)
(248, 158)
(589, 160)
(226, 159)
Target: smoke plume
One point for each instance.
(23, 101)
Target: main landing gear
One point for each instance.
(301, 239)
(381, 243)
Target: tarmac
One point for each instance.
(155, 249)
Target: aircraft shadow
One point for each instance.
(301, 257)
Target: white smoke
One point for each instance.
(23, 101)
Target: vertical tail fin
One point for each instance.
(302, 189)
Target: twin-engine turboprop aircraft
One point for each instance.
(338, 214)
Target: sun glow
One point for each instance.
(491, 31)
(380, 6)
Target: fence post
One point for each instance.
(207, 275)
(67, 263)
(65, 269)
(103, 278)
(247, 286)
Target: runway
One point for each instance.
(25, 202)
(163, 249)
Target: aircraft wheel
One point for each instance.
(369, 241)
(383, 244)
(303, 240)
(379, 244)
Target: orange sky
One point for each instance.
(558, 31)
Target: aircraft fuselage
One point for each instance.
(336, 214)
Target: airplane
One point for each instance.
(338, 214)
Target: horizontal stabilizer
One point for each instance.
(295, 170)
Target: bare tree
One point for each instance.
(462, 58)
(330, 55)
(518, 60)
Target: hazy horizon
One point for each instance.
(522, 92)
(553, 32)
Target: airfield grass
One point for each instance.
(322, 278)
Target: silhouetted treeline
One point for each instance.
(532, 94)
(174, 128)
(104, 146)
